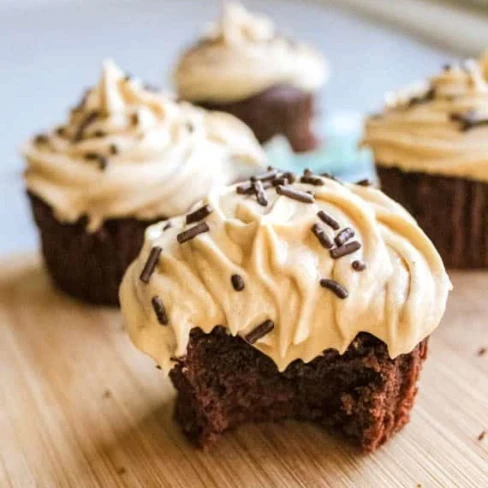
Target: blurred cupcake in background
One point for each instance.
(126, 157)
(244, 67)
(430, 146)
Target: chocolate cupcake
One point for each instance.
(431, 151)
(244, 67)
(310, 300)
(126, 157)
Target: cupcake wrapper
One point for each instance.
(279, 110)
(453, 212)
(88, 266)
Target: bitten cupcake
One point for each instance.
(431, 151)
(244, 67)
(311, 300)
(126, 157)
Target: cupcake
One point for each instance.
(431, 150)
(126, 157)
(271, 300)
(244, 67)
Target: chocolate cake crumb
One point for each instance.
(193, 232)
(150, 265)
(223, 382)
(99, 133)
(121, 471)
(297, 195)
(482, 435)
(158, 367)
(114, 149)
(199, 214)
(107, 394)
(481, 351)
(99, 158)
(328, 219)
(135, 119)
(345, 250)
(260, 331)
(160, 310)
(332, 285)
(237, 282)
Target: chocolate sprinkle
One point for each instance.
(89, 119)
(99, 133)
(193, 232)
(365, 182)
(343, 236)
(158, 366)
(358, 265)
(260, 331)
(481, 351)
(114, 149)
(41, 139)
(426, 97)
(160, 310)
(312, 180)
(469, 120)
(291, 177)
(199, 214)
(323, 238)
(237, 282)
(280, 181)
(167, 226)
(298, 195)
(482, 435)
(269, 175)
(346, 249)
(150, 265)
(332, 285)
(135, 119)
(328, 219)
(102, 160)
(245, 189)
(260, 195)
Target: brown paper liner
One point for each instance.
(279, 110)
(363, 394)
(453, 212)
(88, 266)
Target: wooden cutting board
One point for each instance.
(81, 407)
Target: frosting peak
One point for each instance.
(129, 151)
(237, 25)
(439, 126)
(242, 55)
(291, 272)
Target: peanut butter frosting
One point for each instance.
(242, 55)
(129, 151)
(438, 127)
(292, 268)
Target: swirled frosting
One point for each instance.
(242, 55)
(399, 297)
(438, 127)
(128, 151)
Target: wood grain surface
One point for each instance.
(81, 407)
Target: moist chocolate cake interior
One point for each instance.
(223, 382)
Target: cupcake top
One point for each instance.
(242, 55)
(292, 268)
(438, 127)
(128, 151)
